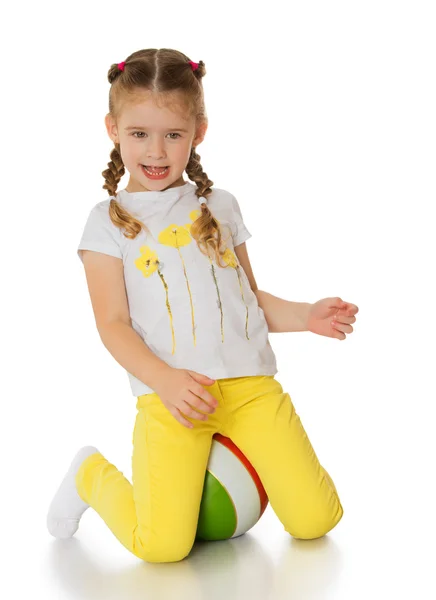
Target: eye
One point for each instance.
(141, 137)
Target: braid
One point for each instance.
(119, 216)
(195, 172)
(205, 230)
(112, 175)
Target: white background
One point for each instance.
(322, 124)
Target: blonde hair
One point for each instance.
(168, 75)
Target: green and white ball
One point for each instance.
(233, 498)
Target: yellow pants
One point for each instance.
(156, 518)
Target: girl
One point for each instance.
(176, 303)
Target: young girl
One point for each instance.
(177, 305)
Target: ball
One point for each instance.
(233, 497)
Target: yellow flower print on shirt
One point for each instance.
(176, 236)
(148, 263)
(193, 215)
(230, 259)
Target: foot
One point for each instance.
(67, 507)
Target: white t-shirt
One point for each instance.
(190, 312)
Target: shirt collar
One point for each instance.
(137, 200)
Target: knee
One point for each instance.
(158, 556)
(317, 528)
(160, 551)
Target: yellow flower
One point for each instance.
(194, 214)
(229, 258)
(148, 263)
(176, 236)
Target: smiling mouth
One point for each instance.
(155, 170)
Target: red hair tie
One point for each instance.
(121, 65)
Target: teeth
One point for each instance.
(155, 172)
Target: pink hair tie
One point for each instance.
(194, 65)
(121, 65)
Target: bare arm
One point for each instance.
(105, 278)
(130, 351)
(283, 315)
(280, 315)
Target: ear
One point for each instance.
(111, 128)
(200, 133)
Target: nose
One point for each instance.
(155, 149)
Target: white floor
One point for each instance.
(362, 558)
(264, 563)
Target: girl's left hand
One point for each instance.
(331, 317)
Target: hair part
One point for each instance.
(167, 74)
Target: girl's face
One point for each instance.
(156, 136)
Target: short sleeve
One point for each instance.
(100, 234)
(240, 232)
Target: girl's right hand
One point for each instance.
(180, 390)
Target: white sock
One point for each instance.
(67, 506)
